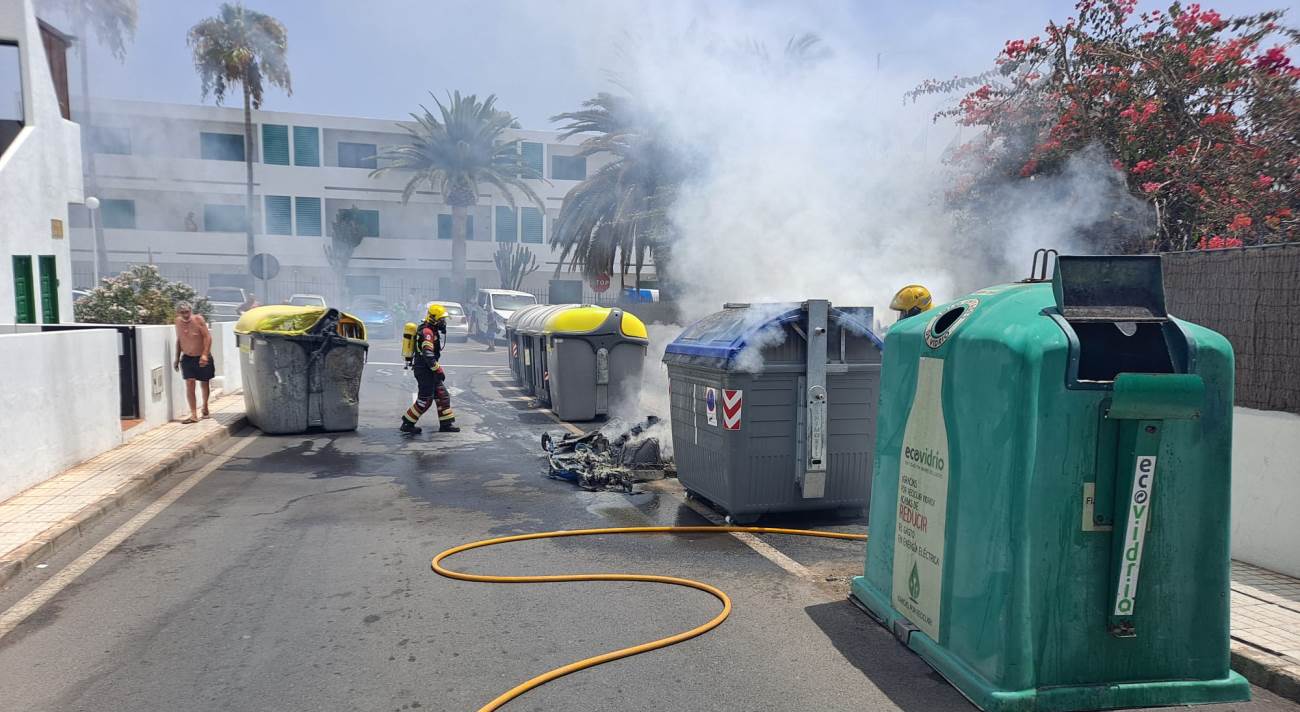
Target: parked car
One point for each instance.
(225, 302)
(306, 300)
(493, 307)
(374, 311)
(457, 322)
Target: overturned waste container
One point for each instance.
(580, 359)
(774, 407)
(1040, 445)
(302, 367)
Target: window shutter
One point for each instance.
(275, 144)
(306, 146)
(506, 229)
(278, 220)
(49, 289)
(532, 224)
(532, 154)
(24, 294)
(308, 214)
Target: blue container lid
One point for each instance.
(723, 335)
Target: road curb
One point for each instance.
(69, 530)
(1267, 670)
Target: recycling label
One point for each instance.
(922, 504)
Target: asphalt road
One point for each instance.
(296, 577)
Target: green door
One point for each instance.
(49, 289)
(24, 296)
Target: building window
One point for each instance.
(117, 214)
(532, 154)
(275, 144)
(531, 223)
(306, 146)
(308, 214)
(357, 155)
(507, 229)
(108, 139)
(569, 167)
(444, 227)
(369, 220)
(11, 95)
(221, 146)
(278, 220)
(223, 218)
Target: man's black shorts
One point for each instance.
(190, 368)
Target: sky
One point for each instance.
(381, 58)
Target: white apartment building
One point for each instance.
(171, 183)
(40, 169)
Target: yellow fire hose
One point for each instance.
(558, 672)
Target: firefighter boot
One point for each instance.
(409, 427)
(448, 426)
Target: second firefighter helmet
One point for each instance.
(436, 312)
(911, 300)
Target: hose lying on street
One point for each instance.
(646, 578)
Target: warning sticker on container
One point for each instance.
(731, 405)
(711, 405)
(922, 504)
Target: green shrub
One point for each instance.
(139, 295)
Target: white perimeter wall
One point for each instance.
(1266, 489)
(60, 393)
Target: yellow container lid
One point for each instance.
(585, 319)
(290, 320)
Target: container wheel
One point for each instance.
(691, 496)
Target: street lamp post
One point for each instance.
(92, 205)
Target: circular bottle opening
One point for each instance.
(947, 319)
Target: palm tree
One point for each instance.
(114, 23)
(244, 47)
(454, 153)
(620, 212)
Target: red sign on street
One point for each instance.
(600, 284)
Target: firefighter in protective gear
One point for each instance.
(911, 300)
(429, 375)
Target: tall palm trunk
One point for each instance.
(248, 194)
(92, 183)
(458, 237)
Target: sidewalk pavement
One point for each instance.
(39, 520)
(1266, 628)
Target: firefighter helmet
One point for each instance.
(911, 300)
(436, 311)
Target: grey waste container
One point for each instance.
(515, 342)
(581, 359)
(302, 368)
(774, 408)
(530, 334)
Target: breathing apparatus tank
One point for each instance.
(408, 342)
